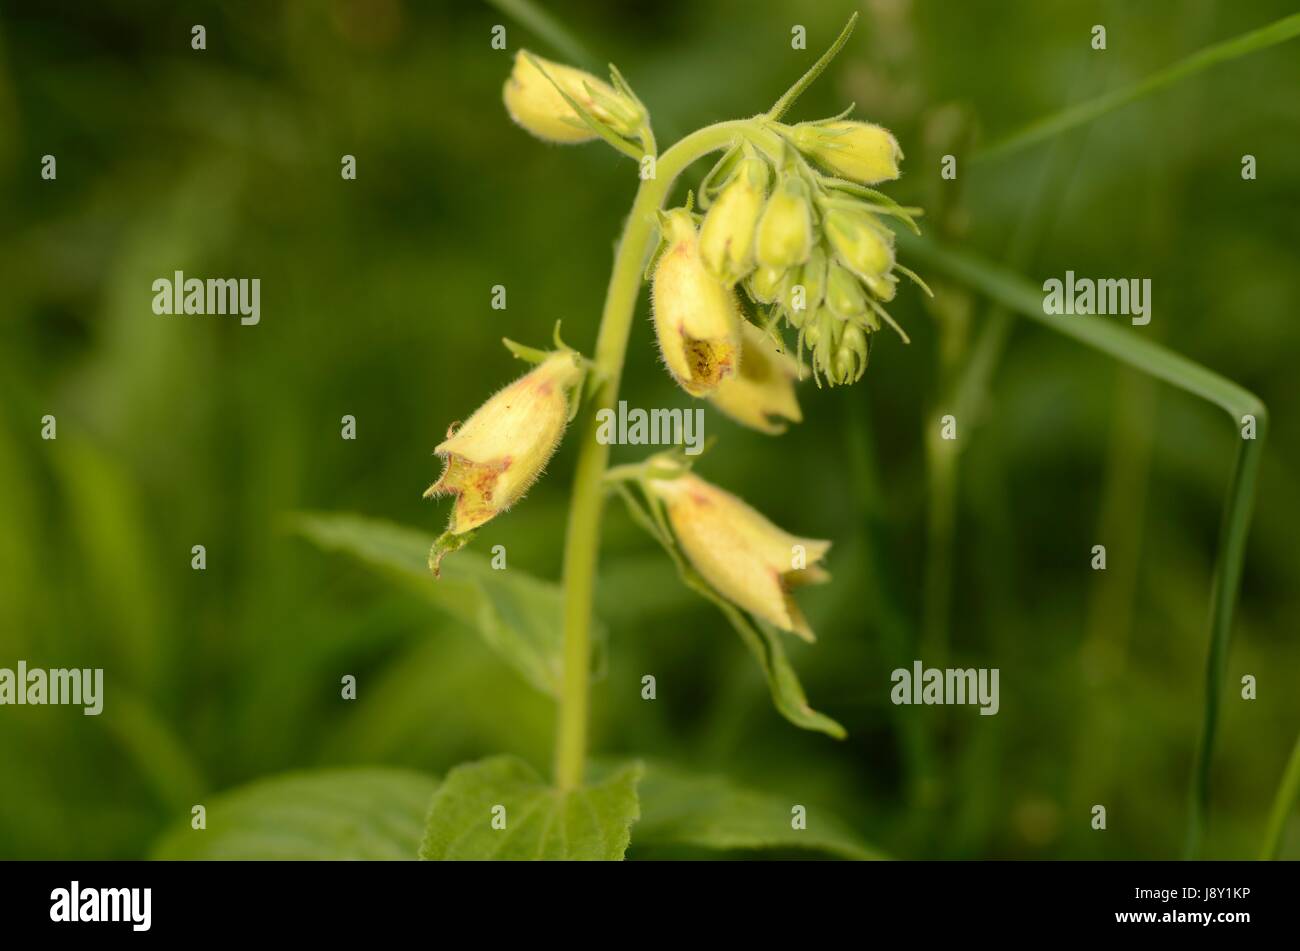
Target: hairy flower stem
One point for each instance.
(583, 538)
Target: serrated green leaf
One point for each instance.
(329, 814)
(540, 821)
(708, 812)
(519, 616)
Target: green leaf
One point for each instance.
(328, 814)
(708, 812)
(519, 616)
(540, 821)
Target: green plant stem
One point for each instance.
(583, 537)
(1288, 791)
(1129, 347)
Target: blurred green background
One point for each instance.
(180, 431)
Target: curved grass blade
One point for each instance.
(1045, 128)
(1288, 791)
(1022, 297)
(549, 29)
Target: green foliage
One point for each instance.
(517, 615)
(682, 809)
(538, 821)
(325, 814)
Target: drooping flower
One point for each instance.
(499, 452)
(858, 151)
(696, 318)
(762, 394)
(742, 555)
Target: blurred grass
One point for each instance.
(181, 431)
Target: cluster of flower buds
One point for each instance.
(808, 247)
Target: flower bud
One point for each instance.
(850, 360)
(864, 245)
(765, 284)
(844, 297)
(785, 230)
(812, 278)
(727, 235)
(743, 556)
(858, 151)
(696, 318)
(500, 451)
(762, 393)
(883, 287)
(534, 102)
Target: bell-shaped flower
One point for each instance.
(696, 318)
(499, 452)
(762, 394)
(744, 557)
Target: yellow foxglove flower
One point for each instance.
(858, 151)
(696, 318)
(743, 556)
(762, 393)
(533, 101)
(785, 231)
(727, 235)
(499, 452)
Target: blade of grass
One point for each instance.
(1288, 791)
(548, 29)
(1125, 345)
(1045, 128)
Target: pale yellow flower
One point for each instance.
(743, 556)
(762, 393)
(696, 318)
(499, 452)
